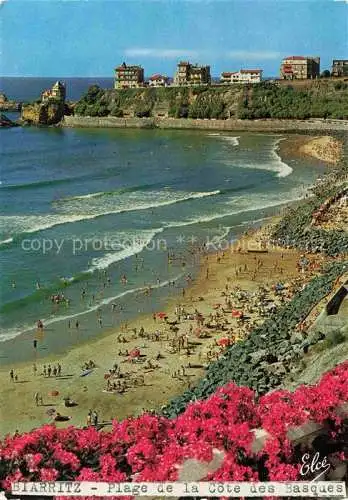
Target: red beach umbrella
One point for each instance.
(237, 314)
(135, 353)
(224, 342)
(162, 315)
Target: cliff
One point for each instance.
(278, 100)
(47, 113)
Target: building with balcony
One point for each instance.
(300, 68)
(188, 74)
(158, 80)
(242, 76)
(57, 92)
(129, 76)
(339, 67)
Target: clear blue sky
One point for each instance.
(90, 37)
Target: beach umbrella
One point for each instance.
(135, 353)
(54, 393)
(236, 313)
(224, 342)
(162, 315)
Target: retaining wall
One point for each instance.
(227, 125)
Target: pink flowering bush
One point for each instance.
(152, 448)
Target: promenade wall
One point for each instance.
(270, 125)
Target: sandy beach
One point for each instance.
(325, 148)
(169, 354)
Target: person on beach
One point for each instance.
(36, 398)
(95, 418)
(77, 324)
(100, 321)
(11, 375)
(34, 369)
(44, 371)
(49, 370)
(89, 418)
(59, 370)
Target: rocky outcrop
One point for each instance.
(47, 113)
(6, 122)
(8, 105)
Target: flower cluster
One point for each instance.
(152, 448)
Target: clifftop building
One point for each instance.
(300, 68)
(242, 76)
(57, 92)
(158, 80)
(129, 76)
(339, 67)
(192, 74)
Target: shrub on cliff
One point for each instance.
(116, 111)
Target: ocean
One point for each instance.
(82, 208)
(25, 89)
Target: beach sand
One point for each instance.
(17, 398)
(246, 268)
(326, 148)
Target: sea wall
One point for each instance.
(268, 125)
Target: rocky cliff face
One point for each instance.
(280, 100)
(48, 113)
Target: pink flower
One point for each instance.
(48, 474)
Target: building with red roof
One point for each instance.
(158, 80)
(188, 74)
(300, 68)
(129, 76)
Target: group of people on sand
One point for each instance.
(54, 371)
(88, 365)
(92, 418)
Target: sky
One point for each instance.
(67, 38)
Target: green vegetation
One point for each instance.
(320, 100)
(317, 99)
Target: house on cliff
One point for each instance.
(57, 92)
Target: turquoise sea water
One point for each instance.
(80, 208)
